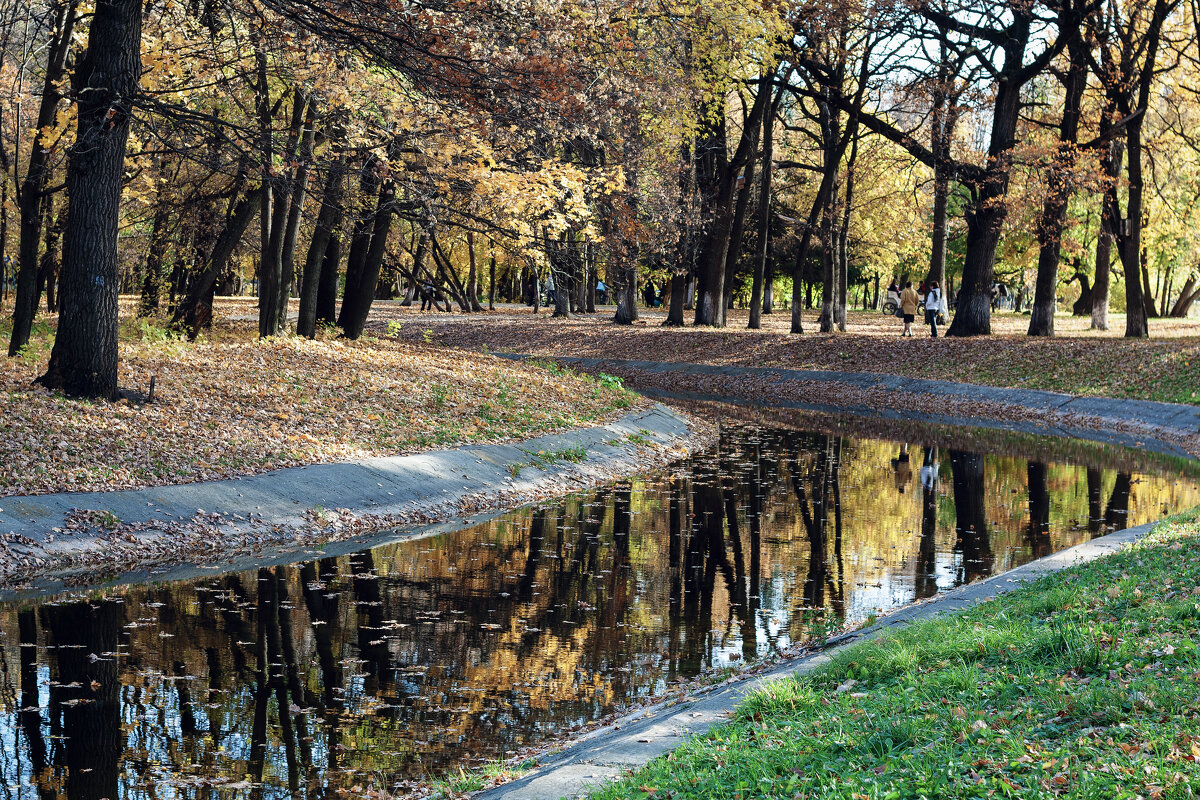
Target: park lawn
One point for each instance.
(1084, 684)
(1079, 362)
(232, 405)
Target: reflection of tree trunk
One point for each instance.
(926, 576)
(1039, 510)
(971, 530)
(537, 537)
(754, 598)
(30, 714)
(87, 697)
(324, 611)
(370, 605)
(269, 589)
(675, 558)
(1116, 514)
(1095, 515)
(261, 691)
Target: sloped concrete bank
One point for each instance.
(632, 741)
(61, 540)
(1168, 428)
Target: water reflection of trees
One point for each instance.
(428, 654)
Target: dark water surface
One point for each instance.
(417, 658)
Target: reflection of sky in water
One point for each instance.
(420, 657)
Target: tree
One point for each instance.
(83, 362)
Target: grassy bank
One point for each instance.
(1085, 684)
(1165, 368)
(232, 405)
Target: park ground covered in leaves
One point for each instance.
(1165, 368)
(232, 405)
(1084, 684)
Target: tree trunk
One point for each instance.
(299, 194)
(1109, 218)
(987, 210)
(721, 174)
(152, 280)
(328, 285)
(492, 278)
(329, 219)
(472, 275)
(733, 251)
(31, 195)
(764, 219)
(83, 362)
(276, 204)
(1187, 296)
(366, 258)
(195, 312)
(1058, 193)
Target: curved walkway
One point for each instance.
(57, 539)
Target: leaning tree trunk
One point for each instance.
(83, 362)
(195, 312)
(626, 286)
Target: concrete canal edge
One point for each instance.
(59, 540)
(1165, 428)
(632, 741)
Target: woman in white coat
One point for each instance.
(935, 305)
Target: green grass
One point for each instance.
(1085, 684)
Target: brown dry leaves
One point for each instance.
(239, 406)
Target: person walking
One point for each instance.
(933, 307)
(908, 307)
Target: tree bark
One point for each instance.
(31, 194)
(83, 362)
(371, 244)
(764, 217)
(1060, 187)
(195, 312)
(299, 194)
(329, 219)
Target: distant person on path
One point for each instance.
(426, 296)
(908, 307)
(933, 307)
(650, 296)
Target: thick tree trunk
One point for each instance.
(366, 258)
(626, 286)
(734, 250)
(83, 362)
(329, 219)
(720, 183)
(31, 196)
